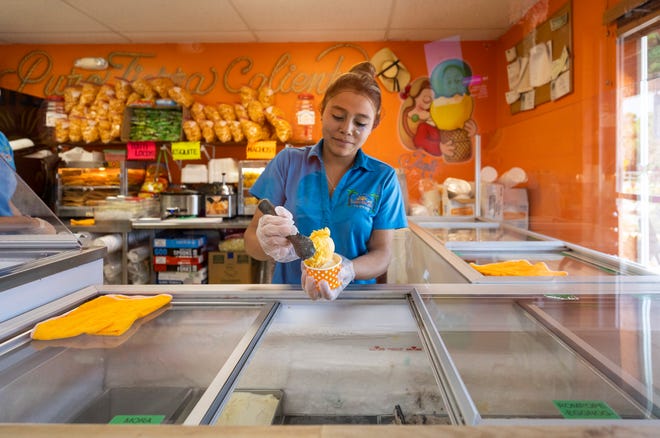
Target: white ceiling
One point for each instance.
(199, 21)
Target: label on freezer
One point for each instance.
(585, 409)
(137, 419)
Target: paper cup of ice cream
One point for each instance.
(329, 272)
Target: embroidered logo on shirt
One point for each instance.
(362, 200)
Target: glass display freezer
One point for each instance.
(435, 259)
(40, 259)
(465, 354)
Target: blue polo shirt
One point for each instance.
(367, 198)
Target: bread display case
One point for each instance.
(82, 185)
(248, 172)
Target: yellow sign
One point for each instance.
(261, 150)
(186, 150)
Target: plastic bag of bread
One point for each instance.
(115, 125)
(88, 93)
(191, 130)
(104, 93)
(142, 87)
(275, 117)
(222, 131)
(266, 96)
(251, 130)
(273, 112)
(122, 89)
(79, 110)
(212, 113)
(256, 112)
(133, 97)
(248, 94)
(207, 130)
(227, 112)
(105, 130)
(100, 110)
(181, 96)
(62, 130)
(236, 131)
(161, 84)
(241, 112)
(71, 97)
(116, 106)
(197, 112)
(90, 133)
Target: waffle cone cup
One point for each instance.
(329, 274)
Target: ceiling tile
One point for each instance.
(190, 37)
(296, 15)
(163, 15)
(319, 36)
(44, 16)
(63, 38)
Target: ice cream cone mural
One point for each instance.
(452, 107)
(436, 115)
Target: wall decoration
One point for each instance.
(539, 67)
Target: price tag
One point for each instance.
(186, 150)
(585, 409)
(137, 419)
(261, 150)
(141, 150)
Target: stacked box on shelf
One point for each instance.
(180, 260)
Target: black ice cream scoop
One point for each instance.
(302, 245)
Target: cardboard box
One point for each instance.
(193, 242)
(457, 206)
(230, 267)
(199, 277)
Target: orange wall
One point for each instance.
(214, 73)
(567, 147)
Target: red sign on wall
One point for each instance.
(141, 150)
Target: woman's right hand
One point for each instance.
(272, 232)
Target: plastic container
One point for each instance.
(303, 126)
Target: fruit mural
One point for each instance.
(436, 115)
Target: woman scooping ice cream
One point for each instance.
(332, 184)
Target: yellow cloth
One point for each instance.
(517, 267)
(82, 221)
(109, 315)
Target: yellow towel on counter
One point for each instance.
(84, 222)
(107, 315)
(517, 268)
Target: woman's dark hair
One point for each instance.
(361, 78)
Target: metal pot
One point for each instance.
(181, 202)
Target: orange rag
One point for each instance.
(82, 221)
(108, 315)
(517, 267)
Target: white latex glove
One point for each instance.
(272, 232)
(346, 275)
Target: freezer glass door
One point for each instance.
(154, 373)
(513, 367)
(343, 362)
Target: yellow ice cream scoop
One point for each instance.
(324, 246)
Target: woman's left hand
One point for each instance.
(322, 290)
